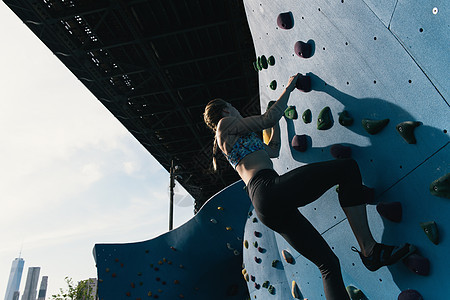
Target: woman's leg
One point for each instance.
(306, 240)
(313, 180)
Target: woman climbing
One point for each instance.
(276, 198)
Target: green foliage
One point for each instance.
(80, 291)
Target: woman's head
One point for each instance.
(214, 112)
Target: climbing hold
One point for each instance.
(418, 264)
(229, 246)
(246, 276)
(307, 116)
(275, 263)
(271, 290)
(374, 126)
(255, 244)
(340, 151)
(291, 113)
(271, 60)
(258, 260)
(285, 20)
(296, 293)
(255, 220)
(220, 208)
(345, 119)
(410, 295)
(214, 221)
(250, 213)
(176, 281)
(236, 252)
(441, 187)
(431, 230)
(265, 284)
(255, 66)
(258, 63)
(246, 244)
(355, 293)
(261, 250)
(300, 142)
(264, 63)
(252, 278)
(267, 135)
(303, 49)
(107, 270)
(269, 105)
(288, 257)
(173, 248)
(406, 130)
(325, 119)
(257, 286)
(303, 83)
(257, 234)
(149, 294)
(391, 211)
(228, 228)
(273, 85)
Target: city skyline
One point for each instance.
(30, 291)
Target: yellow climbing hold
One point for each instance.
(245, 274)
(296, 293)
(246, 244)
(229, 228)
(149, 294)
(220, 208)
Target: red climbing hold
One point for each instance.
(303, 49)
(418, 264)
(285, 20)
(391, 211)
(410, 295)
(300, 142)
(340, 151)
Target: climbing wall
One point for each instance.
(202, 259)
(385, 63)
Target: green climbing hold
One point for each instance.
(406, 131)
(355, 293)
(441, 187)
(264, 63)
(271, 290)
(275, 263)
(307, 116)
(273, 85)
(266, 284)
(255, 244)
(246, 244)
(325, 119)
(255, 66)
(258, 63)
(271, 60)
(374, 126)
(291, 113)
(295, 290)
(431, 230)
(345, 119)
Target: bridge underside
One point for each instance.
(154, 65)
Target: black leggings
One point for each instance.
(276, 199)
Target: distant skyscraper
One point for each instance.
(31, 285)
(14, 278)
(43, 288)
(89, 291)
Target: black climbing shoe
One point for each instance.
(384, 255)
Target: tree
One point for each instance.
(81, 291)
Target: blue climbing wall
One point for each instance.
(378, 60)
(202, 259)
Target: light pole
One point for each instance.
(172, 185)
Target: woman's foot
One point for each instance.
(384, 255)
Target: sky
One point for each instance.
(71, 175)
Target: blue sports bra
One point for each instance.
(245, 145)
